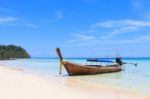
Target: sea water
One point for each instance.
(132, 77)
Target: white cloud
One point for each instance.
(137, 5)
(121, 23)
(81, 38)
(58, 15)
(140, 39)
(5, 10)
(7, 19)
(12, 21)
(141, 8)
(85, 40)
(118, 27)
(122, 30)
(30, 25)
(134, 40)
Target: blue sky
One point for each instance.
(81, 28)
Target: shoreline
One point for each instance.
(20, 84)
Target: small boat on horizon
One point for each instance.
(79, 69)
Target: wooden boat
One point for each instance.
(78, 69)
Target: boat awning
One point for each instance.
(99, 60)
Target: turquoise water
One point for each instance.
(133, 78)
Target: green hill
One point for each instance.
(12, 52)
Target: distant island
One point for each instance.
(12, 52)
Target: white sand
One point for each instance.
(17, 84)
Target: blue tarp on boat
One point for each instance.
(99, 60)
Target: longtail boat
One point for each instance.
(78, 69)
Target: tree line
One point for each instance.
(12, 52)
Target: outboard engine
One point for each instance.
(119, 60)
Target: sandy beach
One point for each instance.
(19, 84)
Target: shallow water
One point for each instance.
(133, 78)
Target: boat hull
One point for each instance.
(77, 69)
